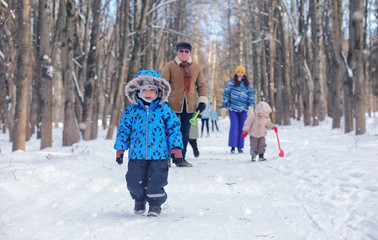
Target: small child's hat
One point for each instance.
(152, 73)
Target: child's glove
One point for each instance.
(275, 129)
(176, 155)
(119, 158)
(201, 107)
(244, 134)
(223, 112)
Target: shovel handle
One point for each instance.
(281, 154)
(279, 147)
(193, 120)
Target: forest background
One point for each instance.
(66, 61)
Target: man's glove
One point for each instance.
(223, 112)
(119, 158)
(244, 134)
(275, 129)
(201, 107)
(176, 155)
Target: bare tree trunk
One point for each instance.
(98, 89)
(307, 84)
(110, 71)
(265, 79)
(335, 63)
(229, 37)
(149, 48)
(317, 57)
(356, 47)
(11, 83)
(45, 73)
(71, 133)
(286, 103)
(272, 54)
(4, 76)
(135, 57)
(34, 111)
(116, 109)
(23, 76)
(92, 70)
(3, 90)
(57, 79)
(10, 60)
(256, 49)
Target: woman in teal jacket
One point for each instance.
(239, 98)
(150, 130)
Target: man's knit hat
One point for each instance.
(184, 45)
(240, 68)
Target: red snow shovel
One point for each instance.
(281, 154)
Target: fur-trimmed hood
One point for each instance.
(132, 88)
(262, 107)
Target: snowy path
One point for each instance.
(326, 187)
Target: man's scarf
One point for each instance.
(188, 75)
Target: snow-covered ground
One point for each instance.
(326, 187)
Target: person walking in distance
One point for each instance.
(214, 118)
(187, 81)
(205, 116)
(239, 98)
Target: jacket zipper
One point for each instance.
(147, 131)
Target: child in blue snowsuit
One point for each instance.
(150, 130)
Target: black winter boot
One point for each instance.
(261, 157)
(140, 207)
(154, 211)
(232, 149)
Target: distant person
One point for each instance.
(151, 132)
(239, 98)
(187, 81)
(214, 118)
(256, 126)
(205, 116)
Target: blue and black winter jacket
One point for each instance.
(148, 131)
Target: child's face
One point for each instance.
(263, 115)
(149, 93)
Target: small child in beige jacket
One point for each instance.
(256, 125)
